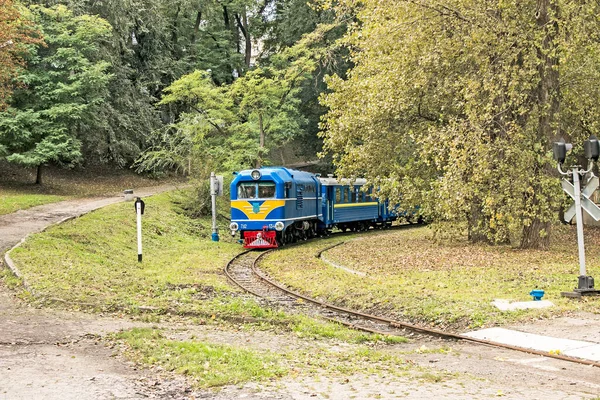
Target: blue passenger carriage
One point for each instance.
(350, 205)
(274, 206)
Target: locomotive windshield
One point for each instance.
(254, 190)
(247, 190)
(266, 190)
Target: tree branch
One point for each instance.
(201, 111)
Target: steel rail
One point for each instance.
(395, 323)
(232, 279)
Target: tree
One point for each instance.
(65, 83)
(206, 119)
(267, 105)
(15, 33)
(237, 125)
(453, 104)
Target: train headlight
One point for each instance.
(255, 174)
(279, 226)
(234, 226)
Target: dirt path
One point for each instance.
(48, 354)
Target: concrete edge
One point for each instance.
(321, 256)
(12, 266)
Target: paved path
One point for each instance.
(48, 354)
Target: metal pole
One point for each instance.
(579, 217)
(138, 209)
(213, 195)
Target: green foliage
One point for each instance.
(454, 108)
(237, 125)
(154, 43)
(224, 123)
(65, 83)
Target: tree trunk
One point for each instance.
(548, 104)
(261, 143)
(243, 25)
(174, 31)
(197, 26)
(474, 231)
(282, 156)
(531, 235)
(248, 49)
(226, 19)
(38, 177)
(232, 27)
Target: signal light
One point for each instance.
(591, 148)
(560, 149)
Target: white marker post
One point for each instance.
(139, 210)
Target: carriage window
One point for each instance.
(266, 190)
(360, 196)
(246, 190)
(338, 195)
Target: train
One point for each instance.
(274, 206)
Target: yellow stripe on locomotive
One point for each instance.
(255, 210)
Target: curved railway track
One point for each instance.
(243, 271)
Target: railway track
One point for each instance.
(244, 272)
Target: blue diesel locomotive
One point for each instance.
(274, 206)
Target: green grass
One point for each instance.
(11, 200)
(306, 327)
(444, 284)
(92, 260)
(207, 364)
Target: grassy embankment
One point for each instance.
(18, 190)
(444, 284)
(92, 262)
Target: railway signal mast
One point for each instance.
(585, 286)
(216, 189)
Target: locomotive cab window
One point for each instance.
(246, 190)
(266, 190)
(253, 190)
(288, 188)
